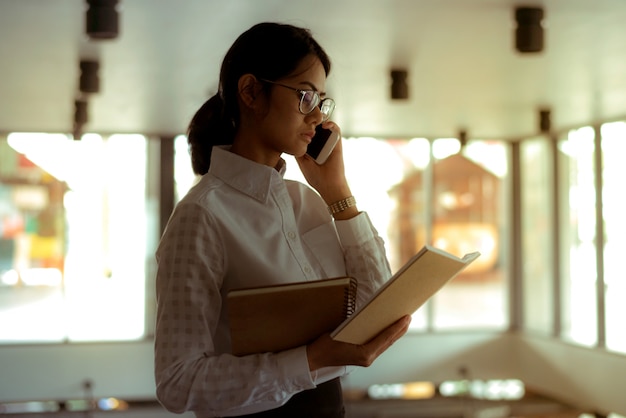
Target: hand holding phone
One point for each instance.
(322, 144)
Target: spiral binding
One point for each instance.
(350, 297)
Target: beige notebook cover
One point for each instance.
(280, 317)
(419, 279)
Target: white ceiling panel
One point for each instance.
(464, 72)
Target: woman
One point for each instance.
(243, 225)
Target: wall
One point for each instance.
(589, 378)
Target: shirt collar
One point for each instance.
(247, 176)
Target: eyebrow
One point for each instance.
(313, 87)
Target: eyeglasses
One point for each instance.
(309, 100)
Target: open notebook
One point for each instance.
(419, 279)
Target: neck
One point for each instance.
(247, 147)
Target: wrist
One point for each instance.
(341, 205)
(336, 195)
(312, 358)
(332, 191)
(346, 214)
(343, 208)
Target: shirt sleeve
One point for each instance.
(364, 254)
(189, 373)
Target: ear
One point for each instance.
(249, 89)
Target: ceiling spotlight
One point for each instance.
(463, 138)
(529, 32)
(89, 79)
(80, 117)
(544, 121)
(80, 114)
(399, 86)
(102, 21)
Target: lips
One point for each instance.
(309, 135)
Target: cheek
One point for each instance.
(286, 123)
(287, 134)
(279, 133)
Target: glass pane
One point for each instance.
(396, 198)
(33, 241)
(614, 208)
(467, 202)
(74, 247)
(184, 176)
(537, 242)
(578, 234)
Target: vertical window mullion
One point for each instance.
(556, 237)
(516, 273)
(601, 292)
(429, 218)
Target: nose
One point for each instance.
(316, 115)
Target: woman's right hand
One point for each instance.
(326, 352)
(329, 179)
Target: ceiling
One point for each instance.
(464, 72)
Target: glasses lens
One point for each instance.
(309, 100)
(327, 106)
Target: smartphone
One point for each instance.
(322, 144)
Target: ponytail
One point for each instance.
(210, 126)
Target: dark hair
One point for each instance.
(268, 51)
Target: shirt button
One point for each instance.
(291, 235)
(307, 269)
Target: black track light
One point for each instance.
(89, 79)
(399, 86)
(529, 31)
(544, 121)
(102, 20)
(463, 138)
(80, 117)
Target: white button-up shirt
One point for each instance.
(244, 225)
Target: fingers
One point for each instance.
(388, 337)
(327, 352)
(329, 124)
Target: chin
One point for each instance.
(298, 153)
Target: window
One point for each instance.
(184, 176)
(392, 182)
(75, 244)
(578, 235)
(537, 243)
(614, 210)
(468, 208)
